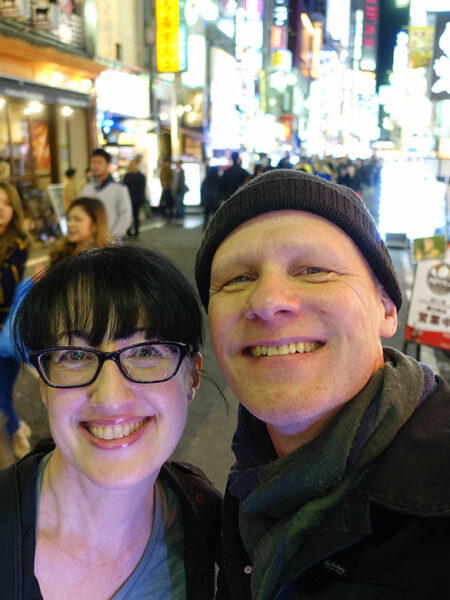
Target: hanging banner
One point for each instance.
(440, 84)
(170, 36)
(428, 319)
(370, 36)
(421, 40)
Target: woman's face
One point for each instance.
(142, 423)
(80, 227)
(6, 211)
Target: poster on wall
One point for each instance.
(428, 319)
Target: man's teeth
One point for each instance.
(115, 432)
(292, 348)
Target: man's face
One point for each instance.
(296, 318)
(99, 167)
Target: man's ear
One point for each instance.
(388, 325)
(43, 389)
(195, 375)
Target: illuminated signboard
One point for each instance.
(278, 37)
(440, 85)
(370, 35)
(280, 17)
(170, 36)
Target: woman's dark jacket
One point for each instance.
(389, 539)
(200, 507)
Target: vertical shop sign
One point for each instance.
(370, 35)
(108, 28)
(440, 85)
(428, 319)
(170, 36)
(420, 46)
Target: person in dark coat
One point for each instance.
(136, 183)
(341, 485)
(210, 194)
(233, 177)
(167, 200)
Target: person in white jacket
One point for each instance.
(114, 195)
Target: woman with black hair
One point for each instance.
(114, 334)
(14, 245)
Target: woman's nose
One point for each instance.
(111, 388)
(273, 296)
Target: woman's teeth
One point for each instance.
(115, 432)
(292, 348)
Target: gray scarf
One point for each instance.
(290, 496)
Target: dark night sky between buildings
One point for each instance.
(392, 20)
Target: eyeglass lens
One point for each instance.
(77, 366)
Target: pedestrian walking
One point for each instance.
(101, 512)
(70, 189)
(180, 188)
(167, 200)
(114, 196)
(233, 177)
(136, 183)
(14, 245)
(210, 194)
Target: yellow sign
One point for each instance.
(167, 36)
(421, 44)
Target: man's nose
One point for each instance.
(273, 295)
(110, 389)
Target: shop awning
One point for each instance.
(28, 90)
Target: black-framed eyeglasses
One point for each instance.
(75, 366)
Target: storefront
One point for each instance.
(47, 121)
(43, 131)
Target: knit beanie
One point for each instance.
(291, 189)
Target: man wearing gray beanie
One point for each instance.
(341, 487)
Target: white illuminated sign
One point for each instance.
(123, 93)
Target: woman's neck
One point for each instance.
(82, 246)
(76, 511)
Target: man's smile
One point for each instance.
(291, 348)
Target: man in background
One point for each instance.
(233, 177)
(114, 196)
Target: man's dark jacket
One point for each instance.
(232, 179)
(389, 539)
(200, 510)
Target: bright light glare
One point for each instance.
(306, 22)
(33, 108)
(66, 111)
(2, 102)
(411, 200)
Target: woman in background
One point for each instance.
(87, 227)
(13, 256)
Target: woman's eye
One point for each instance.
(73, 356)
(146, 352)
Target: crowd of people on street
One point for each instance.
(341, 485)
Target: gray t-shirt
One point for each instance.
(160, 574)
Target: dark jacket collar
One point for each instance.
(413, 475)
(104, 183)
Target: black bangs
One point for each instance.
(114, 292)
